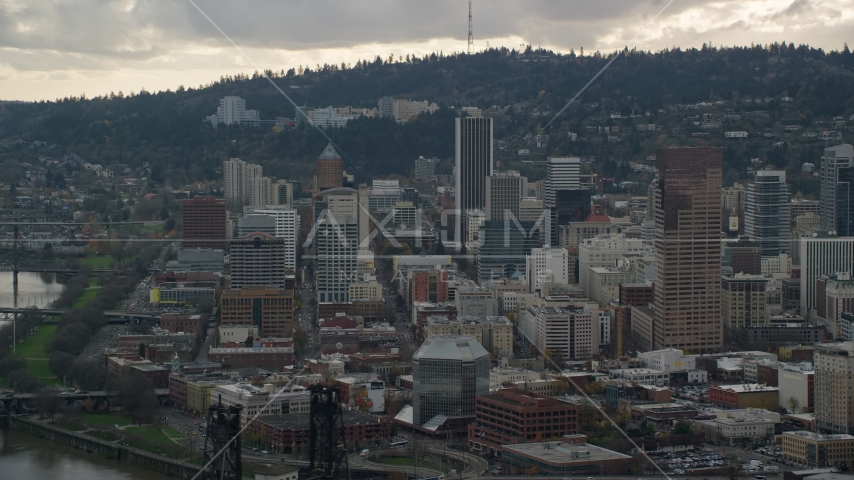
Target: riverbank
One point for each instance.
(25, 456)
(110, 450)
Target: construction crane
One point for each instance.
(619, 309)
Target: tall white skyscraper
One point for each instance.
(337, 246)
(767, 217)
(473, 163)
(561, 174)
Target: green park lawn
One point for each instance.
(34, 350)
(104, 419)
(97, 263)
(35, 346)
(409, 462)
(94, 281)
(87, 296)
(171, 432)
(150, 432)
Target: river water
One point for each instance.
(34, 290)
(27, 457)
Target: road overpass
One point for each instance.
(113, 316)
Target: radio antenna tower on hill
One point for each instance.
(471, 38)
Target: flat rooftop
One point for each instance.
(819, 436)
(748, 388)
(557, 452)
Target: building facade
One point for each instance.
(834, 384)
(473, 163)
(269, 309)
(561, 174)
(767, 214)
(337, 245)
(686, 207)
(837, 175)
(515, 416)
(504, 192)
(257, 259)
(329, 169)
(822, 255)
(449, 372)
(204, 223)
(743, 301)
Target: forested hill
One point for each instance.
(787, 85)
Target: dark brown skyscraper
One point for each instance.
(330, 169)
(204, 220)
(687, 212)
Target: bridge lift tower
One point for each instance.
(222, 444)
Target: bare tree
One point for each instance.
(50, 402)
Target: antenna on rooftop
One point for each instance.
(471, 37)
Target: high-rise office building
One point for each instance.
(252, 223)
(282, 193)
(257, 259)
(504, 191)
(473, 163)
(448, 372)
(337, 244)
(822, 255)
(837, 190)
(269, 309)
(329, 169)
(569, 206)
(561, 174)
(767, 217)
(204, 220)
(744, 256)
(744, 301)
(687, 211)
(286, 225)
(503, 251)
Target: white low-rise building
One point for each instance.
(263, 401)
(668, 360)
(643, 376)
(735, 430)
(500, 375)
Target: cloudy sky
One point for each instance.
(55, 48)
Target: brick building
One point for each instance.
(274, 358)
(270, 308)
(290, 433)
(516, 416)
(175, 322)
(204, 222)
(729, 397)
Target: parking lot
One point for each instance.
(679, 462)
